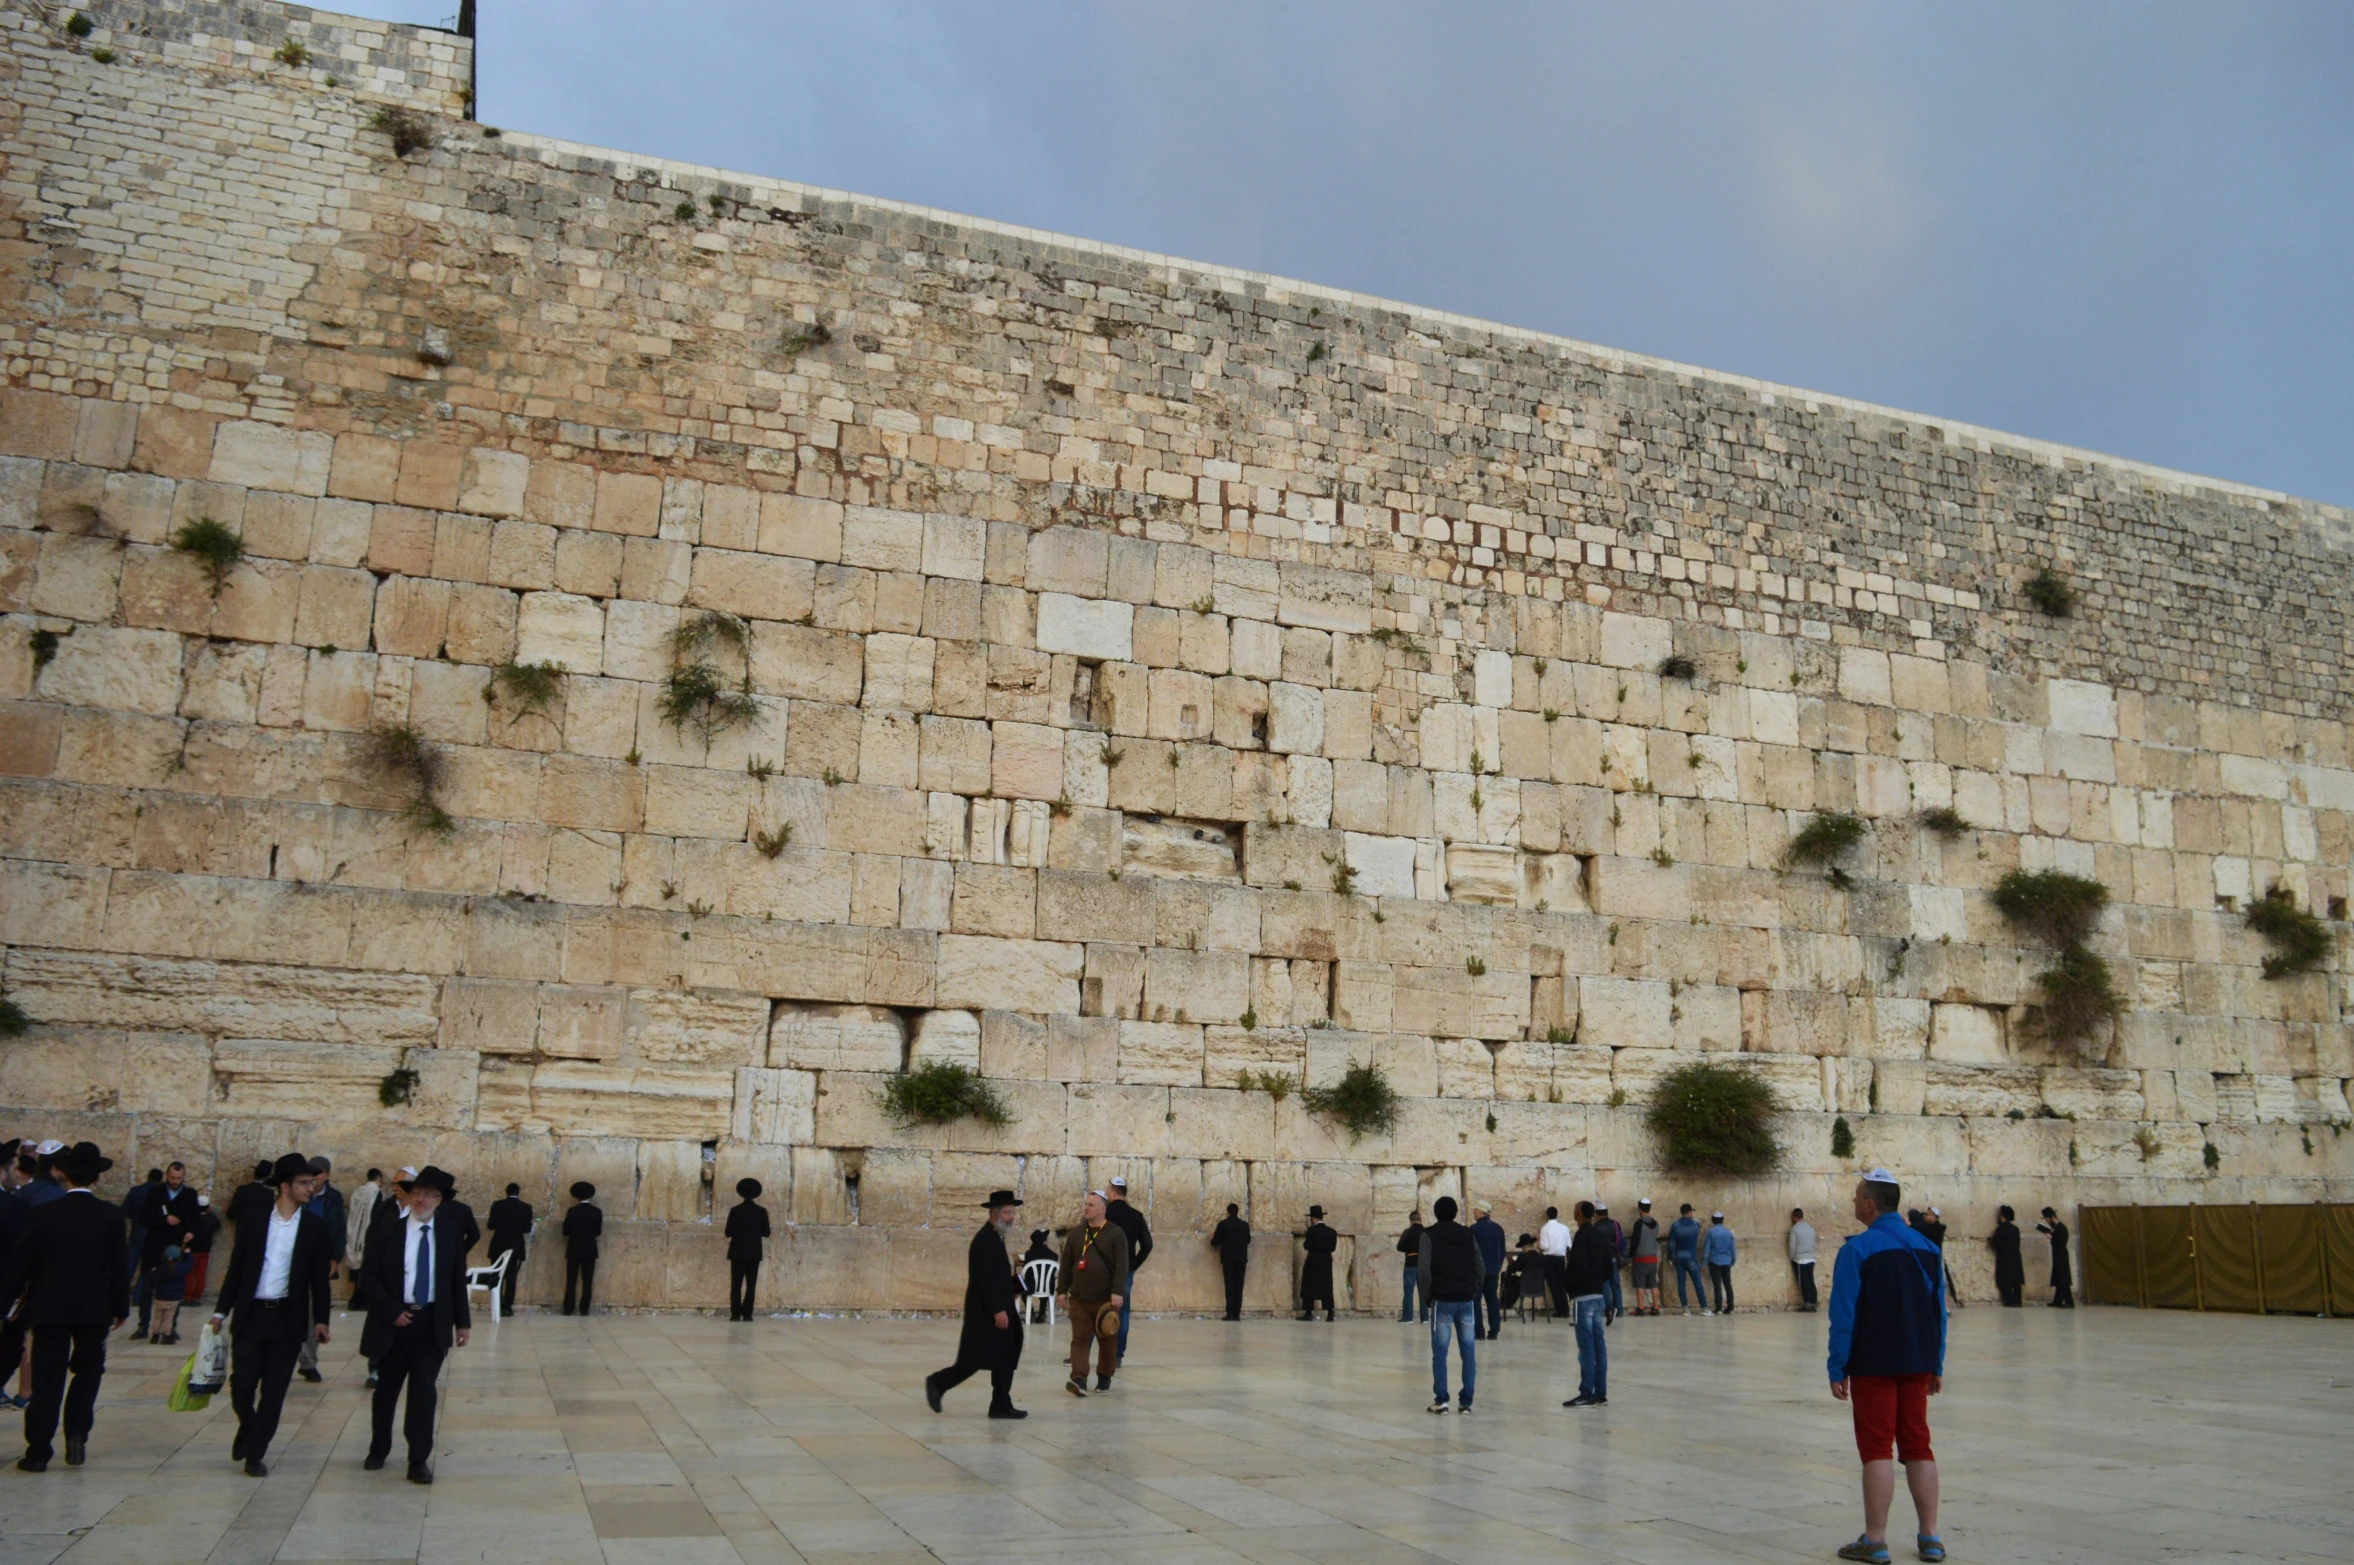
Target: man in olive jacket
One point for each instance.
(992, 1338)
(1093, 1282)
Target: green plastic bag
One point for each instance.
(183, 1400)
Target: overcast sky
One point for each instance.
(2128, 227)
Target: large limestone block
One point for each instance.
(1977, 1090)
(946, 1038)
(1625, 1013)
(899, 673)
(674, 1027)
(2081, 707)
(1483, 873)
(837, 1038)
(1193, 850)
(1026, 761)
(561, 628)
(777, 1107)
(1640, 888)
(1324, 599)
(974, 972)
(2094, 1094)
(1384, 865)
(1229, 1053)
(820, 962)
(1160, 1054)
(255, 1077)
(255, 455)
(222, 1000)
(1966, 1035)
(1706, 1017)
(1899, 1086)
(123, 670)
(1115, 1120)
(994, 899)
(665, 1103)
(1095, 907)
(1456, 1003)
(1195, 986)
(1097, 629)
(95, 1072)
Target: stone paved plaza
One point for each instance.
(2110, 1435)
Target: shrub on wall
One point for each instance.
(942, 1092)
(2300, 942)
(1715, 1119)
(1824, 839)
(2078, 992)
(1362, 1100)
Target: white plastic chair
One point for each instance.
(1039, 1278)
(492, 1277)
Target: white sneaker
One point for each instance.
(1439, 1406)
(1463, 1408)
(1704, 1314)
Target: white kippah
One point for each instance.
(1879, 1176)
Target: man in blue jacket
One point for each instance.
(1717, 1246)
(1488, 1234)
(1683, 1252)
(1887, 1360)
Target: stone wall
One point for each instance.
(1158, 675)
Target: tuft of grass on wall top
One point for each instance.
(942, 1092)
(1361, 1102)
(1712, 1118)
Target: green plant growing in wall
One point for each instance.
(1714, 1119)
(291, 52)
(1823, 839)
(2300, 941)
(79, 26)
(213, 546)
(1842, 1138)
(2212, 1156)
(1677, 666)
(699, 695)
(398, 1086)
(2147, 1140)
(1273, 1083)
(408, 130)
(2078, 995)
(2050, 593)
(772, 843)
(13, 1021)
(104, 56)
(1362, 1101)
(404, 758)
(2059, 907)
(1475, 967)
(1944, 820)
(43, 644)
(940, 1092)
(531, 686)
(802, 336)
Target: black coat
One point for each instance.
(382, 1285)
(306, 1281)
(1316, 1270)
(1232, 1240)
(510, 1219)
(747, 1227)
(168, 1203)
(2063, 1274)
(72, 1263)
(456, 1211)
(989, 1288)
(250, 1198)
(1139, 1233)
(2009, 1271)
(581, 1226)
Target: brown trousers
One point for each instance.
(1107, 1349)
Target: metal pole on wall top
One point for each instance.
(473, 67)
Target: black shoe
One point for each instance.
(1580, 1400)
(1075, 1386)
(310, 1375)
(420, 1472)
(255, 1469)
(371, 1377)
(567, 1309)
(932, 1393)
(1007, 1411)
(374, 1462)
(140, 1335)
(1600, 1402)
(237, 1447)
(1103, 1382)
(77, 1450)
(29, 1463)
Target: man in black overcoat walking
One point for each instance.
(71, 1264)
(1321, 1244)
(1232, 1240)
(412, 1283)
(275, 1298)
(992, 1338)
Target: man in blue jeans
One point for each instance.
(1591, 1261)
(1410, 1246)
(1451, 1272)
(1488, 1234)
(1683, 1251)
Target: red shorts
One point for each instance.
(1891, 1410)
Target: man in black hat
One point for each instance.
(412, 1283)
(510, 1227)
(1316, 1271)
(275, 1298)
(71, 1266)
(747, 1239)
(992, 1337)
(1232, 1240)
(582, 1225)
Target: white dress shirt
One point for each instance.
(1553, 1238)
(1802, 1243)
(278, 1257)
(412, 1229)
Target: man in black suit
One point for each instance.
(510, 1228)
(71, 1266)
(582, 1225)
(1232, 1240)
(275, 1298)
(168, 1219)
(412, 1283)
(747, 1241)
(992, 1338)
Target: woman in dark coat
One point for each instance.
(2063, 1274)
(992, 1337)
(2010, 1273)
(1316, 1270)
(747, 1241)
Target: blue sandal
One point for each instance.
(1931, 1546)
(1865, 1549)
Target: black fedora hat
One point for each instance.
(292, 1166)
(83, 1163)
(432, 1178)
(582, 1190)
(1315, 1214)
(748, 1188)
(998, 1198)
